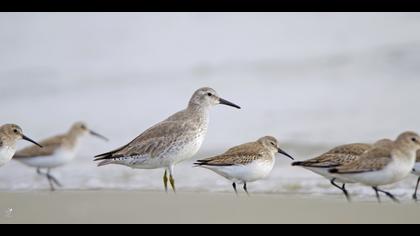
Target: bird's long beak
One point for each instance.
(227, 103)
(98, 135)
(285, 153)
(32, 141)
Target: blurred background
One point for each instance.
(313, 80)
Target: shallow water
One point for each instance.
(312, 80)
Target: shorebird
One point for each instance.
(171, 141)
(10, 134)
(333, 158)
(245, 163)
(416, 171)
(383, 165)
(338, 156)
(56, 151)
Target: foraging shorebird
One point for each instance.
(333, 158)
(245, 163)
(56, 151)
(416, 171)
(176, 139)
(10, 134)
(339, 156)
(383, 165)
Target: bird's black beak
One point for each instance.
(285, 153)
(98, 135)
(227, 103)
(30, 140)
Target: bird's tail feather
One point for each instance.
(105, 162)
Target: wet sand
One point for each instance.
(108, 206)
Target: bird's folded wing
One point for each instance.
(352, 149)
(49, 146)
(245, 148)
(330, 160)
(152, 141)
(229, 159)
(373, 160)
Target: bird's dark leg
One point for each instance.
(49, 178)
(389, 195)
(342, 189)
(52, 180)
(417, 187)
(377, 194)
(246, 189)
(234, 188)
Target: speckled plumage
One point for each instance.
(240, 155)
(245, 163)
(171, 141)
(383, 165)
(166, 137)
(338, 156)
(373, 160)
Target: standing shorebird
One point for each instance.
(416, 171)
(383, 165)
(245, 163)
(339, 156)
(56, 151)
(9, 135)
(171, 141)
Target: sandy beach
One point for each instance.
(156, 207)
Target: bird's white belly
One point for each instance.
(416, 169)
(326, 174)
(393, 173)
(59, 158)
(176, 153)
(245, 173)
(6, 154)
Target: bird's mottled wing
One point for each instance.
(229, 159)
(239, 155)
(373, 160)
(351, 149)
(330, 160)
(153, 140)
(48, 148)
(341, 155)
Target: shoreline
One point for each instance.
(110, 206)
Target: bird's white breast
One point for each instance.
(188, 148)
(6, 154)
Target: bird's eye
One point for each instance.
(414, 139)
(16, 131)
(272, 143)
(209, 94)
